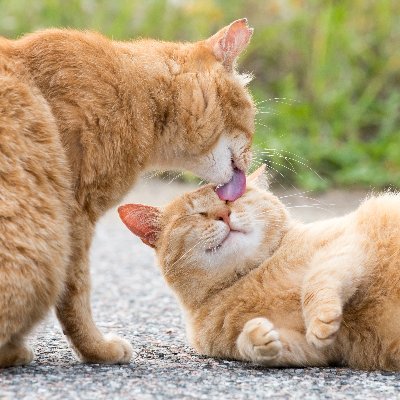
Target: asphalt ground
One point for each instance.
(130, 299)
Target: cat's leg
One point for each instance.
(333, 277)
(391, 360)
(29, 285)
(262, 343)
(34, 228)
(15, 352)
(74, 310)
(31, 277)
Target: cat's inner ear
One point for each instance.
(259, 177)
(143, 221)
(229, 42)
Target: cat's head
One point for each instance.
(212, 120)
(202, 240)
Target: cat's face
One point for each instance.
(213, 121)
(218, 134)
(212, 233)
(198, 231)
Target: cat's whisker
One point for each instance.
(267, 112)
(283, 166)
(277, 171)
(265, 126)
(178, 175)
(294, 194)
(289, 159)
(201, 241)
(152, 175)
(317, 206)
(317, 200)
(280, 151)
(279, 100)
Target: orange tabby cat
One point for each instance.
(257, 285)
(80, 117)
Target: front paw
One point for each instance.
(111, 350)
(259, 342)
(323, 328)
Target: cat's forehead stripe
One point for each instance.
(199, 198)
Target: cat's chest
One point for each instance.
(277, 285)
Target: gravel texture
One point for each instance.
(131, 300)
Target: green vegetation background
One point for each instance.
(327, 73)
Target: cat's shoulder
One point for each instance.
(382, 210)
(383, 203)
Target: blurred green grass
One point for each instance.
(327, 73)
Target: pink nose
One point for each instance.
(223, 215)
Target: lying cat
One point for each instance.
(80, 117)
(257, 285)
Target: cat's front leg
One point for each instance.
(333, 277)
(323, 323)
(322, 309)
(259, 342)
(74, 310)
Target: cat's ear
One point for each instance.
(143, 221)
(259, 177)
(229, 42)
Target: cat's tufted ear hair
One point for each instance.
(259, 177)
(229, 42)
(143, 221)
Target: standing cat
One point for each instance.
(80, 117)
(257, 285)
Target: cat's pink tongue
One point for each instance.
(234, 188)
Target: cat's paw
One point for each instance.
(112, 350)
(323, 328)
(12, 356)
(259, 341)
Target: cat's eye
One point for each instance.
(203, 214)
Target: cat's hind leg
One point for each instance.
(35, 196)
(29, 283)
(24, 300)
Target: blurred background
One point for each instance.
(327, 74)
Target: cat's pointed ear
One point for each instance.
(143, 221)
(229, 42)
(259, 177)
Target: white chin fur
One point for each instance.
(238, 249)
(217, 167)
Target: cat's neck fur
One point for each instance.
(113, 106)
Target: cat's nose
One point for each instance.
(223, 214)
